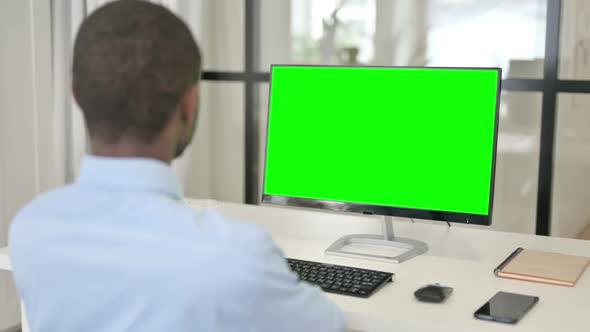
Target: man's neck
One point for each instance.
(130, 149)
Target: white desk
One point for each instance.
(460, 257)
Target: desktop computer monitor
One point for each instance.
(394, 141)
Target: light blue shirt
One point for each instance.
(120, 251)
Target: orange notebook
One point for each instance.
(543, 266)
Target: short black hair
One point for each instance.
(133, 62)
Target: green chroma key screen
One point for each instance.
(417, 138)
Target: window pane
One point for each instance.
(515, 200)
(218, 26)
(500, 33)
(570, 215)
(263, 116)
(517, 163)
(213, 165)
(574, 43)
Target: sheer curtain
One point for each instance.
(26, 133)
(194, 169)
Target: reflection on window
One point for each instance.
(500, 33)
(517, 160)
(574, 42)
(571, 183)
(333, 31)
(508, 34)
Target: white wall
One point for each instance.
(26, 149)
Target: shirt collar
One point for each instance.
(141, 174)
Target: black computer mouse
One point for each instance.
(433, 293)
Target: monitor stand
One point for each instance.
(412, 247)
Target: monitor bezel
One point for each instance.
(448, 216)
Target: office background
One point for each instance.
(543, 46)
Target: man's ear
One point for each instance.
(75, 94)
(188, 104)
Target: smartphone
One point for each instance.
(506, 307)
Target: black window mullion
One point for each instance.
(548, 115)
(235, 76)
(517, 84)
(251, 148)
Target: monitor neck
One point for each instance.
(387, 227)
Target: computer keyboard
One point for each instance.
(340, 279)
